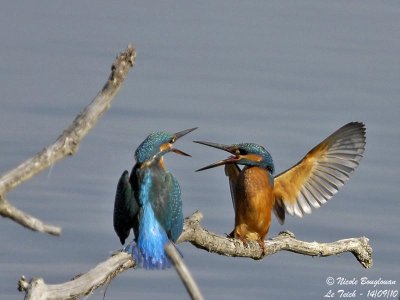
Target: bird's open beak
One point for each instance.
(177, 151)
(231, 149)
(177, 136)
(180, 134)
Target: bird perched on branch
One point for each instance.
(149, 201)
(311, 182)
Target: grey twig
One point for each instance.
(183, 272)
(66, 144)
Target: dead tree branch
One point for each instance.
(66, 144)
(203, 239)
(9, 211)
(183, 272)
(79, 286)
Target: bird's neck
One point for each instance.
(161, 163)
(255, 166)
(258, 169)
(149, 164)
(268, 168)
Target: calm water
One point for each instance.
(283, 74)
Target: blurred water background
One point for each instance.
(284, 74)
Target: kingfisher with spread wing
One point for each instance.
(256, 192)
(149, 201)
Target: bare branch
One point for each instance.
(203, 239)
(183, 272)
(102, 274)
(26, 220)
(80, 285)
(67, 143)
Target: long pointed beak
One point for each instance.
(180, 134)
(232, 159)
(227, 148)
(229, 160)
(177, 151)
(177, 136)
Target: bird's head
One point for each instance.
(157, 144)
(247, 154)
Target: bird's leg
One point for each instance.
(262, 245)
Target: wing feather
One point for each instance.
(167, 203)
(125, 207)
(232, 171)
(310, 195)
(174, 209)
(321, 173)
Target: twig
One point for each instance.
(183, 272)
(26, 220)
(66, 144)
(203, 239)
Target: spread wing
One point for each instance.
(321, 173)
(232, 171)
(125, 207)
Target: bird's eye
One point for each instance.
(242, 152)
(172, 140)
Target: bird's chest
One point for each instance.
(253, 195)
(254, 182)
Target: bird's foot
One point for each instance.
(244, 241)
(262, 246)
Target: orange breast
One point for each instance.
(253, 201)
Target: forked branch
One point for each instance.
(66, 144)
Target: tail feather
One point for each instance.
(146, 261)
(150, 261)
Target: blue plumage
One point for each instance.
(154, 209)
(152, 236)
(151, 145)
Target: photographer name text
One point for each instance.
(364, 287)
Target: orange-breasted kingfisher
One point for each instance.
(149, 201)
(256, 192)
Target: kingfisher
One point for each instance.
(149, 201)
(256, 192)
